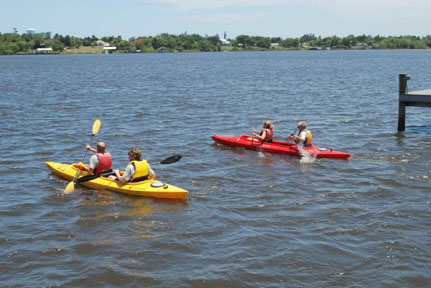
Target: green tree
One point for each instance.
(290, 43)
(307, 38)
(55, 44)
(67, 41)
(275, 40)
(243, 39)
(204, 45)
(23, 46)
(45, 35)
(124, 46)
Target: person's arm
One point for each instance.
(89, 148)
(88, 169)
(151, 173)
(127, 174)
(298, 138)
(94, 162)
(119, 177)
(260, 137)
(291, 135)
(294, 138)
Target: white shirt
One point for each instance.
(303, 136)
(94, 162)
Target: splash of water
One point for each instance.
(305, 156)
(261, 154)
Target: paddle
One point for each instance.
(252, 135)
(71, 186)
(288, 137)
(171, 159)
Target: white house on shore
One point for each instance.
(275, 45)
(109, 50)
(43, 50)
(225, 42)
(101, 43)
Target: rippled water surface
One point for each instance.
(251, 219)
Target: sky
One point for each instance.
(269, 18)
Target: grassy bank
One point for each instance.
(84, 50)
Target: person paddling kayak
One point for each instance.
(137, 170)
(303, 137)
(266, 134)
(100, 161)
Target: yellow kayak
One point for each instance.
(148, 188)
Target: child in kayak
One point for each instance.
(266, 134)
(303, 137)
(137, 170)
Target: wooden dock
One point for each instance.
(417, 99)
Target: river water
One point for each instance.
(251, 219)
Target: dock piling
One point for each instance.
(401, 105)
(417, 98)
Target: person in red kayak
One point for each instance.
(137, 170)
(100, 161)
(266, 134)
(303, 137)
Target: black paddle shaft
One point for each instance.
(171, 159)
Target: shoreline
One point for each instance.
(95, 52)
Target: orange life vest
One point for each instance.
(105, 162)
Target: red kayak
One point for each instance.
(280, 147)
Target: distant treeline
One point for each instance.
(14, 43)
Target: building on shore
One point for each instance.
(101, 43)
(46, 50)
(275, 45)
(225, 42)
(139, 40)
(109, 50)
(133, 43)
(305, 45)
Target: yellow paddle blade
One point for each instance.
(96, 126)
(69, 188)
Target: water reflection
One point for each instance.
(138, 210)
